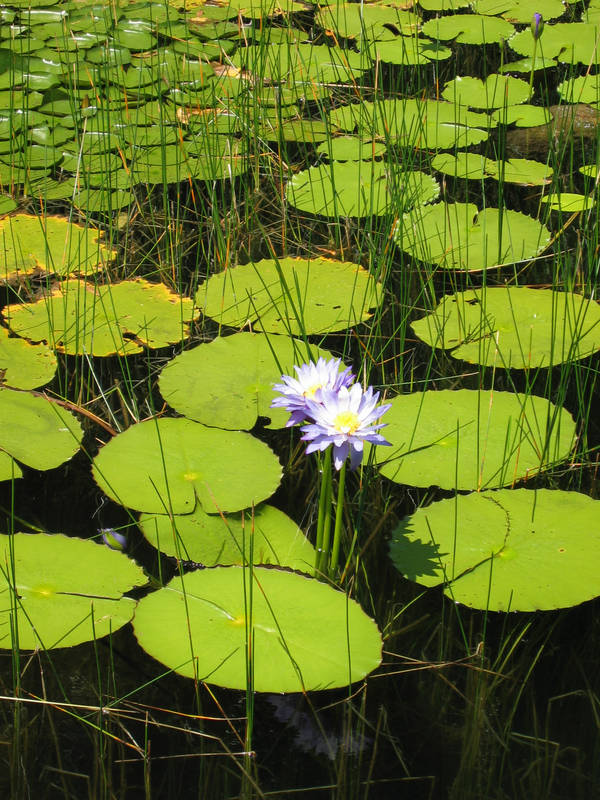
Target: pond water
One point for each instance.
(198, 199)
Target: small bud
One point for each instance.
(114, 540)
(537, 26)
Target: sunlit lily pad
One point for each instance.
(458, 236)
(469, 29)
(408, 50)
(568, 202)
(468, 439)
(24, 365)
(358, 189)
(37, 431)
(228, 383)
(505, 551)
(426, 124)
(9, 469)
(475, 167)
(291, 295)
(495, 92)
(351, 148)
(568, 42)
(49, 244)
(513, 327)
(305, 635)
(265, 536)
(62, 591)
(368, 21)
(519, 10)
(79, 317)
(166, 465)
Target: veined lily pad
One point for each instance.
(358, 189)
(472, 439)
(426, 124)
(505, 551)
(24, 365)
(458, 236)
(469, 29)
(513, 327)
(62, 591)
(166, 465)
(78, 317)
(50, 244)
(495, 92)
(476, 167)
(291, 295)
(305, 635)
(263, 536)
(228, 383)
(36, 431)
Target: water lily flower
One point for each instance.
(537, 26)
(310, 381)
(113, 539)
(346, 419)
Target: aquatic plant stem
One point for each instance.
(324, 518)
(339, 511)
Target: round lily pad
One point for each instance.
(228, 383)
(470, 439)
(51, 244)
(24, 365)
(166, 465)
(304, 634)
(513, 327)
(78, 317)
(265, 536)
(505, 551)
(37, 431)
(496, 91)
(469, 29)
(568, 202)
(351, 148)
(475, 167)
(358, 189)
(291, 295)
(62, 591)
(458, 236)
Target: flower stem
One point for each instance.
(324, 518)
(339, 511)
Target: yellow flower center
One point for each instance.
(346, 422)
(312, 390)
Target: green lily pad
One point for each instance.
(581, 89)
(37, 431)
(523, 116)
(305, 635)
(496, 91)
(426, 124)
(568, 42)
(228, 383)
(469, 439)
(24, 365)
(166, 465)
(351, 148)
(519, 10)
(469, 29)
(78, 317)
(408, 50)
(513, 327)
(265, 536)
(292, 295)
(568, 202)
(9, 469)
(367, 22)
(505, 551)
(62, 591)
(358, 189)
(475, 167)
(458, 236)
(216, 158)
(49, 244)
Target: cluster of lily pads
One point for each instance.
(98, 100)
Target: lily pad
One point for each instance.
(228, 383)
(292, 295)
(470, 439)
(568, 202)
(62, 591)
(78, 317)
(264, 536)
(568, 42)
(469, 29)
(505, 551)
(513, 327)
(9, 469)
(49, 244)
(496, 91)
(37, 431)
(351, 148)
(166, 465)
(368, 22)
(305, 635)
(358, 189)
(458, 236)
(475, 167)
(408, 50)
(24, 365)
